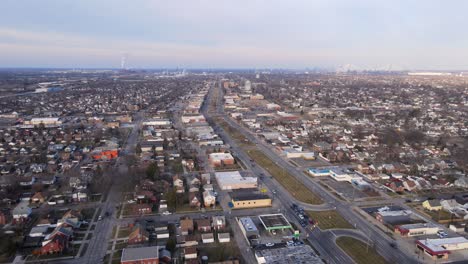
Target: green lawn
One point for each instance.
(288, 181)
(124, 232)
(359, 251)
(235, 134)
(329, 219)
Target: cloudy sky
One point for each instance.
(401, 34)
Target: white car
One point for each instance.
(442, 234)
(166, 213)
(269, 244)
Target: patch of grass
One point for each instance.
(120, 246)
(186, 208)
(234, 133)
(359, 251)
(114, 230)
(329, 219)
(288, 181)
(124, 232)
(117, 255)
(88, 213)
(219, 251)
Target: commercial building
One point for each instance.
(419, 229)
(394, 217)
(318, 172)
(231, 180)
(47, 121)
(298, 254)
(440, 248)
(339, 174)
(248, 228)
(274, 222)
(242, 200)
(157, 122)
(220, 158)
(140, 255)
(192, 119)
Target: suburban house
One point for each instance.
(186, 226)
(138, 235)
(219, 222)
(203, 225)
(432, 205)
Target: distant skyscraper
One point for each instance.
(122, 61)
(247, 85)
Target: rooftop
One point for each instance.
(298, 254)
(141, 253)
(274, 221)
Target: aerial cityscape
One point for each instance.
(233, 132)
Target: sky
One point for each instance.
(366, 34)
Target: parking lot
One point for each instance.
(345, 189)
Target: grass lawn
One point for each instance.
(288, 181)
(329, 219)
(186, 208)
(120, 245)
(117, 255)
(234, 133)
(220, 251)
(124, 232)
(114, 230)
(357, 250)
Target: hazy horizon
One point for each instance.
(382, 35)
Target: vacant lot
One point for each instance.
(288, 181)
(359, 251)
(329, 219)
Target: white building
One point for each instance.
(230, 180)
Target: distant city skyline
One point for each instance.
(363, 34)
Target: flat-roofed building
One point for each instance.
(248, 199)
(296, 254)
(231, 180)
(248, 228)
(441, 248)
(140, 255)
(419, 229)
(220, 158)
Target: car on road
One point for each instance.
(442, 234)
(393, 245)
(166, 213)
(290, 243)
(269, 244)
(99, 218)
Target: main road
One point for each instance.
(324, 243)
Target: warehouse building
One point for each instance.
(231, 180)
(242, 200)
